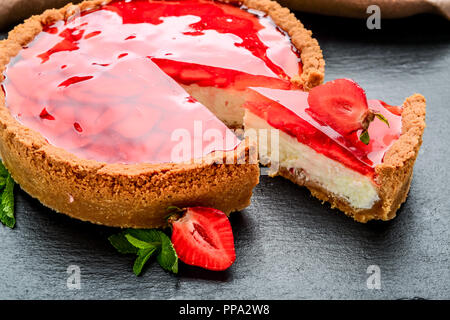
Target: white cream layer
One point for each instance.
(357, 189)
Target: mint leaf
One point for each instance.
(141, 244)
(145, 243)
(167, 257)
(382, 118)
(6, 198)
(2, 182)
(121, 243)
(3, 171)
(7, 202)
(147, 235)
(364, 137)
(142, 258)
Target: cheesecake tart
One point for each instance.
(112, 111)
(354, 153)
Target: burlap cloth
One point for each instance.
(14, 11)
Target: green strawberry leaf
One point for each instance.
(174, 209)
(382, 118)
(142, 258)
(167, 257)
(364, 137)
(7, 202)
(121, 243)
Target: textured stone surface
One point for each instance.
(288, 245)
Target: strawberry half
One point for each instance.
(203, 237)
(341, 104)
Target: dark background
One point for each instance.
(289, 245)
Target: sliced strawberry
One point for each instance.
(341, 104)
(393, 109)
(203, 237)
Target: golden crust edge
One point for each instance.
(313, 71)
(394, 175)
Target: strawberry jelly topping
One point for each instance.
(287, 110)
(100, 86)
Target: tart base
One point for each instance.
(377, 212)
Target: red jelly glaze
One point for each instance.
(100, 86)
(286, 110)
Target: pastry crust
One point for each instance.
(393, 176)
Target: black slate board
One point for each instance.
(289, 246)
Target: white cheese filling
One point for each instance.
(280, 148)
(225, 104)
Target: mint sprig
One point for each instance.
(6, 198)
(120, 242)
(168, 258)
(142, 257)
(145, 244)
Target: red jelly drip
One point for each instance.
(77, 127)
(45, 115)
(73, 80)
(286, 110)
(104, 76)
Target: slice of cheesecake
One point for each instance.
(356, 154)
